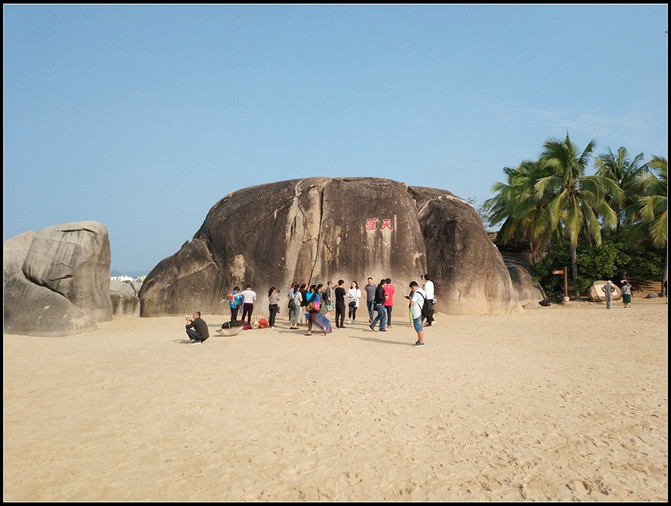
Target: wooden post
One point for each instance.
(563, 271)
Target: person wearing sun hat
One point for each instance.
(608, 289)
(626, 292)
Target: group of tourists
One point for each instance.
(309, 305)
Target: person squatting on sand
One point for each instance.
(196, 328)
(417, 300)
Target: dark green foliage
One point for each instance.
(618, 257)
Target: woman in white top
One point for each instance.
(353, 295)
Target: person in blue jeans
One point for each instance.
(370, 298)
(417, 299)
(379, 307)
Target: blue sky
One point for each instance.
(143, 117)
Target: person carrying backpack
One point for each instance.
(430, 300)
(418, 306)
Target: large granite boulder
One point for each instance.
(318, 229)
(14, 251)
(529, 292)
(64, 284)
(466, 267)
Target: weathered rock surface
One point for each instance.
(124, 299)
(318, 229)
(466, 267)
(64, 284)
(529, 292)
(596, 294)
(14, 251)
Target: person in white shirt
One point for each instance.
(248, 299)
(430, 297)
(353, 296)
(417, 298)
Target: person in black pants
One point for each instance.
(196, 328)
(340, 293)
(273, 305)
(380, 297)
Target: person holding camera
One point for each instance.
(273, 305)
(417, 299)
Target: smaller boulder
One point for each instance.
(124, 299)
(596, 294)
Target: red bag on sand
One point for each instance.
(243, 324)
(263, 323)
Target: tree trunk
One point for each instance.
(574, 270)
(665, 275)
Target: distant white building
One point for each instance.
(123, 278)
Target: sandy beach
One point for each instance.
(560, 403)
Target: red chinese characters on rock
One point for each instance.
(371, 224)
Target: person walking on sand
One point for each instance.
(248, 300)
(389, 291)
(379, 307)
(608, 289)
(313, 310)
(340, 293)
(196, 328)
(304, 293)
(353, 296)
(626, 293)
(417, 299)
(370, 298)
(321, 291)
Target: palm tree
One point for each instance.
(517, 207)
(577, 202)
(654, 208)
(628, 175)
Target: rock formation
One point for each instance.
(596, 294)
(529, 292)
(14, 252)
(63, 286)
(318, 229)
(124, 299)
